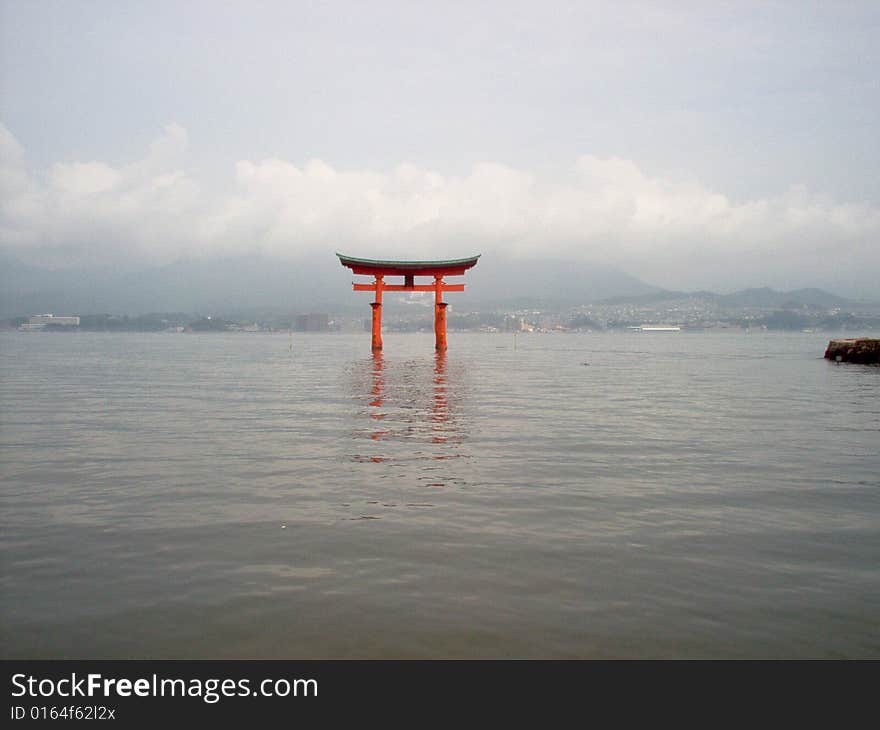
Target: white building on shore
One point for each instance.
(41, 321)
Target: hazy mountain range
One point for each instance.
(763, 297)
(240, 284)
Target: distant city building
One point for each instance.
(52, 319)
(41, 321)
(312, 323)
(243, 327)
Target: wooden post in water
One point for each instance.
(439, 314)
(377, 316)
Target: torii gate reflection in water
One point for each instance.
(409, 270)
(439, 404)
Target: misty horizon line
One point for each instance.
(329, 261)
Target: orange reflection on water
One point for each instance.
(378, 387)
(377, 391)
(412, 402)
(440, 410)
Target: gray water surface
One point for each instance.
(596, 495)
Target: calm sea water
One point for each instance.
(601, 495)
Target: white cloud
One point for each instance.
(81, 179)
(676, 233)
(93, 213)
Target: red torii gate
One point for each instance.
(408, 270)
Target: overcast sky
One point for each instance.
(696, 145)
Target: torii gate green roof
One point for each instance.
(449, 267)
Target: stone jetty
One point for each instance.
(862, 350)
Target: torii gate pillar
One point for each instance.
(377, 316)
(408, 270)
(439, 314)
